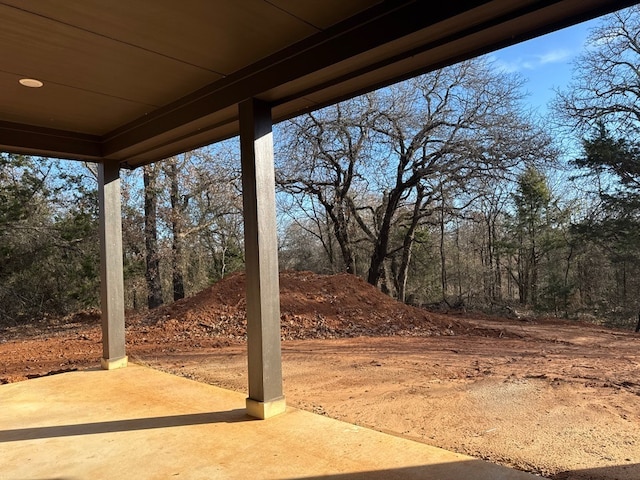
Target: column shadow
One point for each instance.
(459, 470)
(230, 416)
(629, 470)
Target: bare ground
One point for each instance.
(560, 399)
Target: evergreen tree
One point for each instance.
(615, 224)
(532, 201)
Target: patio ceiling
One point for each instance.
(137, 81)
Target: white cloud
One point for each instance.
(531, 62)
(554, 56)
(504, 66)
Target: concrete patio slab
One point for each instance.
(144, 424)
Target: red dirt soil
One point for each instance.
(557, 398)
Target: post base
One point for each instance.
(264, 410)
(112, 364)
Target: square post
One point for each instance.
(261, 253)
(111, 268)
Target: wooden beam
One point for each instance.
(48, 142)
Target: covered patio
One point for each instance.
(125, 84)
(140, 423)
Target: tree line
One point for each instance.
(443, 190)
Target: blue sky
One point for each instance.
(545, 62)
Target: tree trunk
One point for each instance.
(381, 245)
(523, 279)
(533, 286)
(327, 239)
(523, 270)
(152, 271)
(565, 292)
(403, 271)
(443, 258)
(458, 266)
(494, 259)
(177, 211)
(407, 247)
(486, 262)
(497, 260)
(624, 282)
(340, 230)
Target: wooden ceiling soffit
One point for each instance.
(392, 41)
(375, 27)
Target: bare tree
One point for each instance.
(324, 160)
(204, 205)
(492, 209)
(152, 256)
(606, 86)
(179, 203)
(444, 130)
(381, 162)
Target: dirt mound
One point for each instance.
(311, 306)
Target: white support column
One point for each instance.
(261, 253)
(111, 268)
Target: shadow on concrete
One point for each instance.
(463, 469)
(630, 471)
(231, 416)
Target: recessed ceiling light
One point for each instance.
(31, 82)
